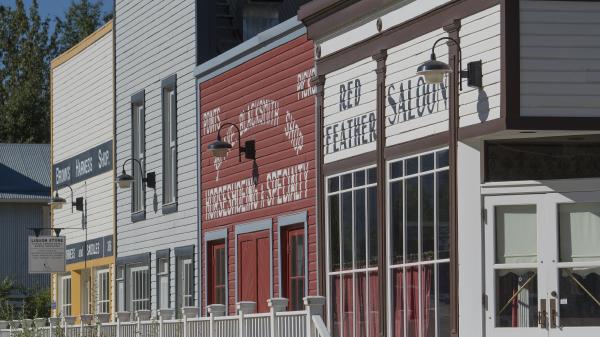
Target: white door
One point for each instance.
(543, 264)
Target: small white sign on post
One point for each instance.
(46, 254)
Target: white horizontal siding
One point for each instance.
(480, 41)
(82, 96)
(156, 39)
(364, 71)
(560, 58)
(82, 102)
(414, 119)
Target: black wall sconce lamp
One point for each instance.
(220, 148)
(125, 180)
(433, 70)
(57, 202)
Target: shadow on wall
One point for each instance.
(483, 105)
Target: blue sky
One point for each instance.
(53, 8)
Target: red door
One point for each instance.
(292, 246)
(254, 268)
(216, 272)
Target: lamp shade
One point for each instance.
(124, 180)
(433, 71)
(57, 201)
(219, 148)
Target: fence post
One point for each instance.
(118, 326)
(54, 323)
(277, 305)
(244, 308)
(138, 331)
(214, 310)
(314, 307)
(185, 332)
(160, 326)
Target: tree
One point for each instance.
(25, 53)
(81, 19)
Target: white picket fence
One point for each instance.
(275, 323)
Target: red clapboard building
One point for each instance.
(258, 220)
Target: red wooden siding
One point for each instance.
(271, 99)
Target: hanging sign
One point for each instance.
(46, 254)
(83, 166)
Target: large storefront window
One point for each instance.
(352, 242)
(418, 246)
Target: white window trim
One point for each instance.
(100, 290)
(146, 292)
(63, 305)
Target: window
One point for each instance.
(102, 291)
(121, 288)
(294, 266)
(169, 109)
(138, 149)
(217, 286)
(65, 296)
(418, 246)
(140, 288)
(162, 281)
(184, 286)
(352, 251)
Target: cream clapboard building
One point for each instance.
(83, 174)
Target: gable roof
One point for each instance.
(24, 172)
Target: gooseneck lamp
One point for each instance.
(434, 71)
(57, 202)
(219, 148)
(125, 180)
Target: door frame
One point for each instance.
(255, 226)
(283, 222)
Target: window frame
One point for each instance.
(138, 128)
(286, 223)
(169, 151)
(146, 292)
(161, 256)
(102, 288)
(210, 239)
(183, 254)
(65, 295)
(124, 265)
(435, 262)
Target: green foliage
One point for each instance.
(25, 53)
(35, 304)
(81, 19)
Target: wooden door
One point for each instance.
(217, 282)
(293, 273)
(254, 268)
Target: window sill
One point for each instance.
(169, 208)
(138, 216)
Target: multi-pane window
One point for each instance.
(418, 254)
(185, 284)
(65, 295)
(140, 288)
(120, 278)
(163, 283)
(138, 149)
(102, 291)
(169, 109)
(217, 287)
(294, 274)
(352, 252)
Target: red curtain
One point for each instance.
(336, 312)
(347, 306)
(398, 303)
(426, 282)
(414, 318)
(373, 304)
(361, 303)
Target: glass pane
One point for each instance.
(427, 162)
(373, 304)
(412, 301)
(346, 181)
(396, 170)
(397, 220)
(348, 305)
(428, 299)
(334, 184)
(335, 301)
(412, 165)
(441, 159)
(372, 175)
(579, 290)
(579, 233)
(516, 234)
(360, 243)
(347, 230)
(361, 303)
(334, 231)
(516, 298)
(372, 223)
(397, 303)
(427, 215)
(443, 236)
(359, 178)
(412, 220)
(443, 301)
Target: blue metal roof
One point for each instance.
(24, 171)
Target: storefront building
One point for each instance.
(258, 221)
(156, 151)
(82, 148)
(467, 206)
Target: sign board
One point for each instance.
(90, 249)
(83, 166)
(46, 254)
